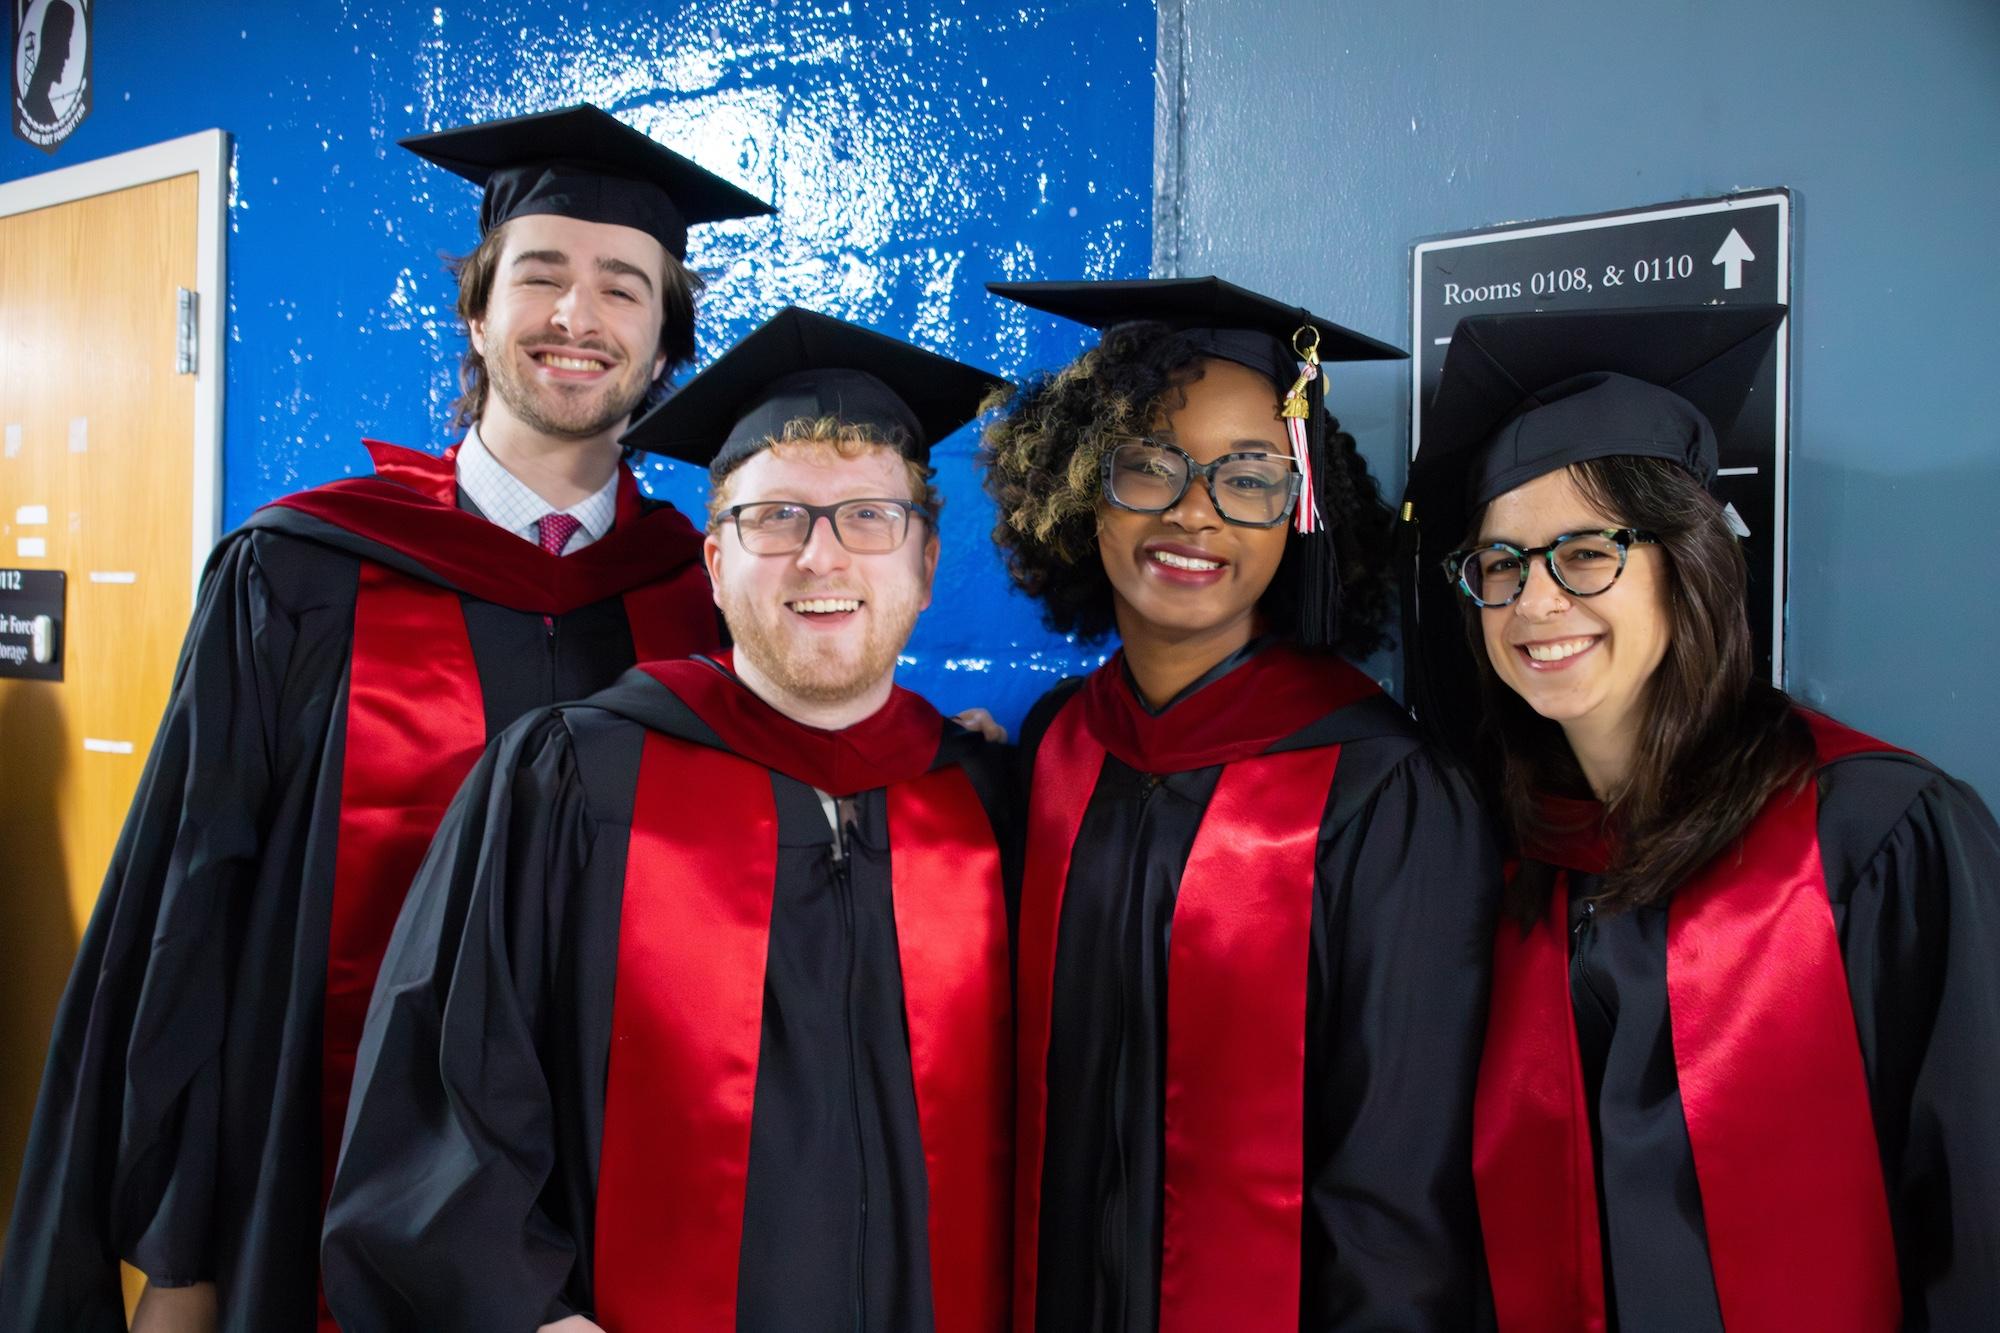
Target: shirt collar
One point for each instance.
(512, 503)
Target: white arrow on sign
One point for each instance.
(1732, 256)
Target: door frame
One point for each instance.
(206, 155)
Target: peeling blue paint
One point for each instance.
(914, 151)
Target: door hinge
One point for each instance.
(184, 356)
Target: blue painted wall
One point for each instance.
(1437, 116)
(914, 151)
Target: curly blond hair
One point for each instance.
(826, 435)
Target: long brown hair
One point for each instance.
(1715, 743)
(475, 273)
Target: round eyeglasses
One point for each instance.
(1584, 563)
(783, 527)
(1251, 490)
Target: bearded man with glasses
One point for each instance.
(699, 1013)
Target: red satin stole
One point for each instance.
(687, 1022)
(416, 724)
(1772, 1088)
(897, 743)
(1237, 964)
(410, 505)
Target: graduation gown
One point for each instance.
(351, 648)
(1253, 941)
(653, 1043)
(1787, 1074)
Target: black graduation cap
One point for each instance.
(1284, 341)
(582, 162)
(1251, 329)
(1525, 394)
(803, 366)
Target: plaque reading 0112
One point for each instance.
(1696, 252)
(31, 623)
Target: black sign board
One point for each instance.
(51, 62)
(31, 623)
(1697, 252)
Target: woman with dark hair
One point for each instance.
(1740, 1070)
(1253, 921)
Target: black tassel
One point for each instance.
(1406, 544)
(1319, 584)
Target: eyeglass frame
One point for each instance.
(1206, 471)
(814, 513)
(1624, 538)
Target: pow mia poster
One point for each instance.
(1693, 252)
(51, 69)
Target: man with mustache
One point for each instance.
(698, 1014)
(352, 649)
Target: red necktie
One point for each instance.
(556, 529)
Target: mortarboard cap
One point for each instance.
(584, 163)
(803, 366)
(1526, 394)
(1231, 322)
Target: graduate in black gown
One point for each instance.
(1255, 906)
(352, 648)
(698, 1015)
(1741, 1071)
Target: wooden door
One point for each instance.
(96, 479)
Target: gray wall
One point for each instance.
(1420, 118)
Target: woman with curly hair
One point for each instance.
(1740, 1071)
(1255, 910)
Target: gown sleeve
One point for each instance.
(436, 1221)
(1410, 883)
(122, 1151)
(1921, 938)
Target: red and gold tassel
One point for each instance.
(1296, 411)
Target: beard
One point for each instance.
(814, 667)
(581, 414)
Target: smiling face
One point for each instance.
(1186, 574)
(823, 624)
(1584, 662)
(571, 331)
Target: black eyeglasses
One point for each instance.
(1251, 490)
(783, 527)
(1584, 563)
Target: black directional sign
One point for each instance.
(31, 623)
(1696, 252)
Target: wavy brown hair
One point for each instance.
(1715, 743)
(1042, 458)
(476, 273)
